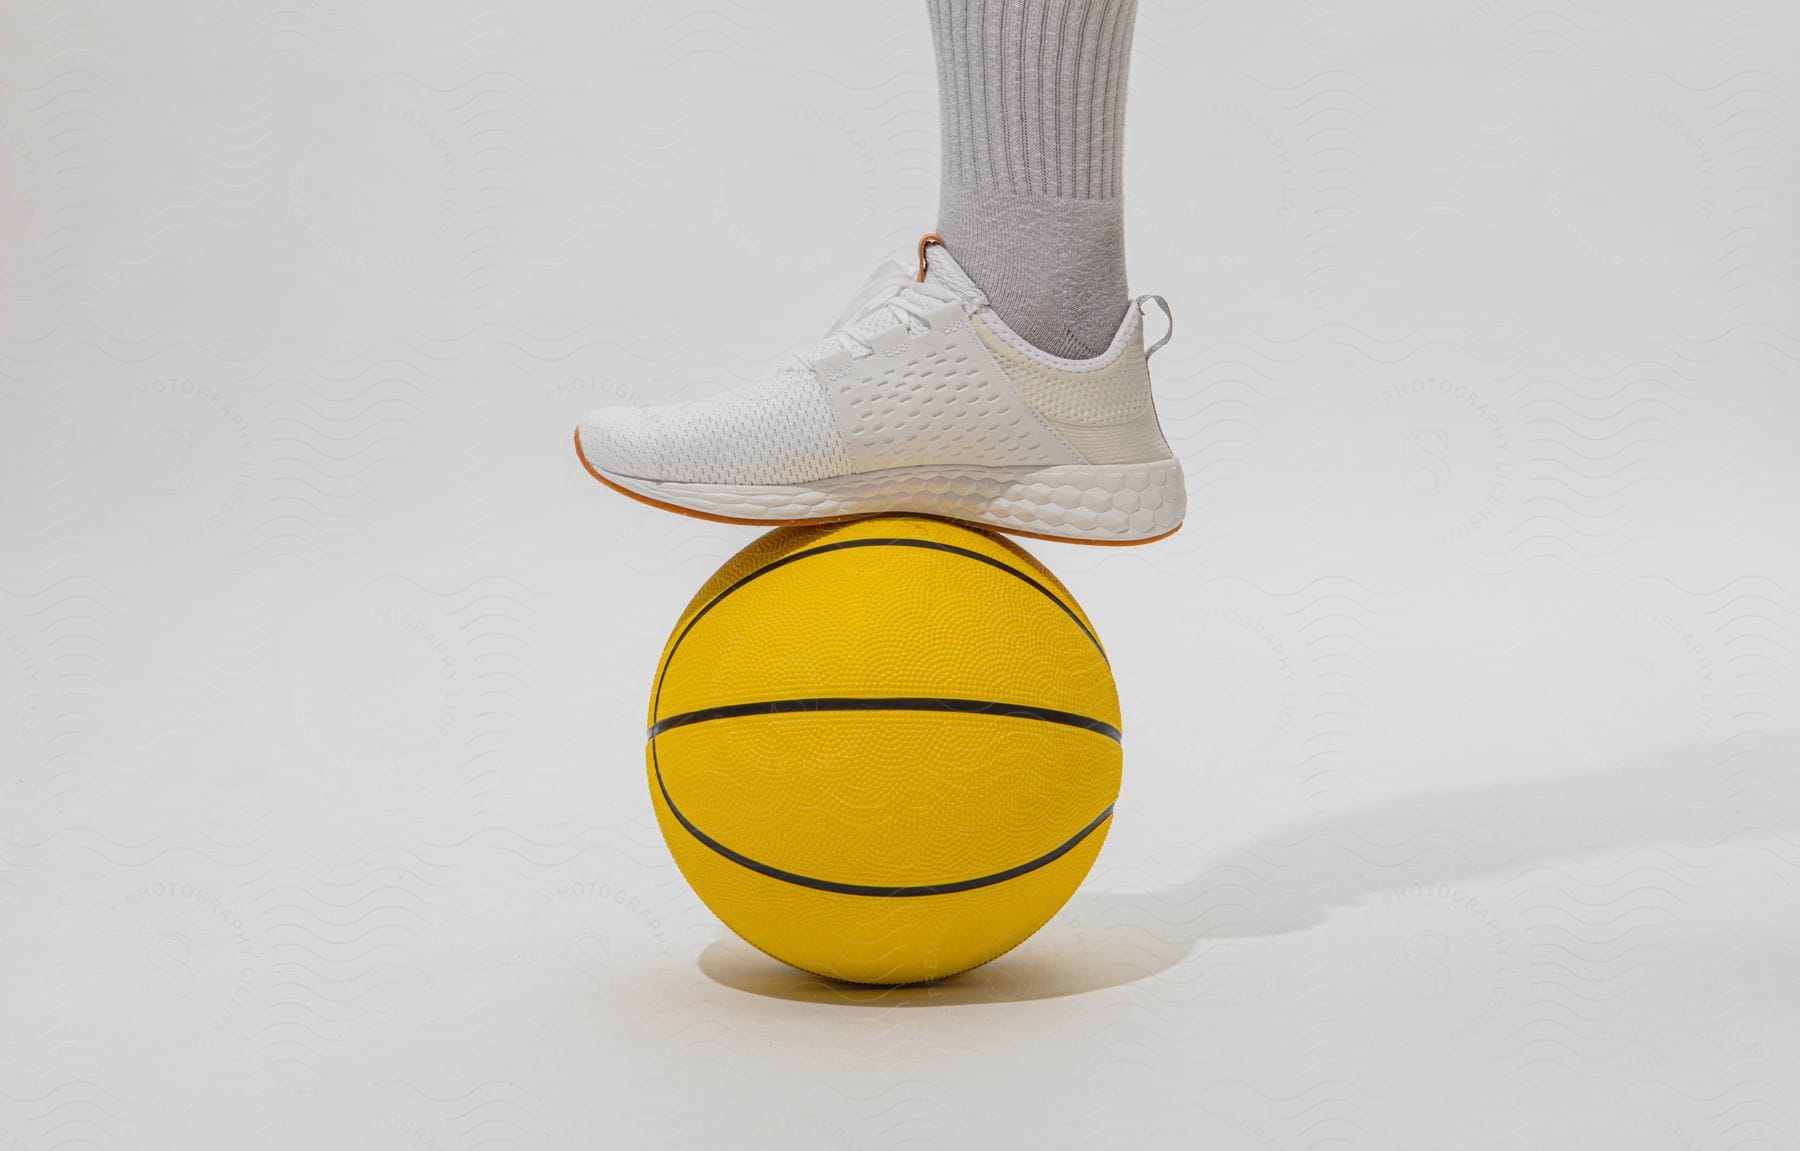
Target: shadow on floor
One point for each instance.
(1685, 798)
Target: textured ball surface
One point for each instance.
(884, 751)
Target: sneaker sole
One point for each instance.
(1120, 506)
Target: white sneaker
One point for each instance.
(921, 400)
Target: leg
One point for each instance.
(1032, 99)
(1007, 384)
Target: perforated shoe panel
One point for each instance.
(935, 398)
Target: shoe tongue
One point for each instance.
(946, 273)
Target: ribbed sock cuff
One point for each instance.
(1032, 94)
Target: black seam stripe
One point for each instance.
(960, 706)
(841, 545)
(816, 884)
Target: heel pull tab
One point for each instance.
(1163, 305)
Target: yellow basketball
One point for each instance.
(884, 751)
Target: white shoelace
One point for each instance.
(888, 299)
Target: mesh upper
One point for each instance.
(1114, 394)
(1105, 413)
(777, 430)
(898, 392)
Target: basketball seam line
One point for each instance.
(890, 892)
(902, 703)
(882, 541)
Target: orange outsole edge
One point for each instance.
(718, 519)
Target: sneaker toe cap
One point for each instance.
(621, 441)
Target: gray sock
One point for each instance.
(1032, 101)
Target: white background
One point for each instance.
(1463, 718)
